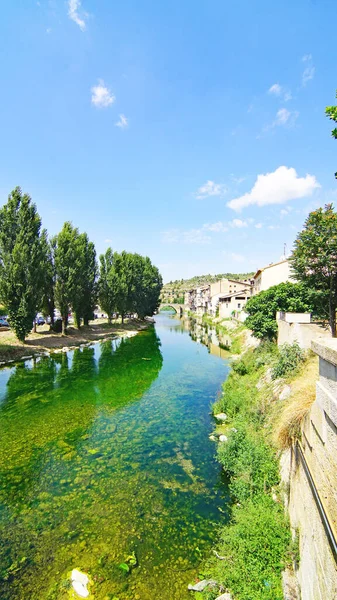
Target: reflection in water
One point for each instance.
(218, 343)
(104, 451)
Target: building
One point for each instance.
(206, 299)
(273, 274)
(233, 303)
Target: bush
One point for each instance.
(254, 545)
(290, 356)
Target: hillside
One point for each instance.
(174, 290)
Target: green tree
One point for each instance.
(262, 308)
(331, 112)
(68, 263)
(314, 260)
(20, 261)
(85, 293)
(106, 284)
(47, 305)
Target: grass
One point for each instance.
(287, 423)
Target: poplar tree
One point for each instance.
(48, 277)
(331, 112)
(106, 284)
(20, 261)
(67, 268)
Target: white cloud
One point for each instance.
(275, 89)
(101, 96)
(308, 74)
(278, 90)
(276, 188)
(258, 225)
(238, 223)
(234, 256)
(217, 227)
(306, 57)
(284, 212)
(273, 227)
(191, 236)
(73, 13)
(282, 116)
(210, 188)
(123, 122)
(107, 241)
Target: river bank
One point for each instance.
(259, 415)
(45, 341)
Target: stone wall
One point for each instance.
(303, 333)
(317, 573)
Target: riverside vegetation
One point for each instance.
(255, 546)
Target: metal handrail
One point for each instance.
(320, 506)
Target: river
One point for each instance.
(105, 454)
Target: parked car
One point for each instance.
(3, 322)
(40, 321)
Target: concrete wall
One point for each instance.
(302, 333)
(317, 573)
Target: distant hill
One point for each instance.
(175, 290)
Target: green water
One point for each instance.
(104, 452)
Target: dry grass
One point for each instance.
(44, 339)
(290, 417)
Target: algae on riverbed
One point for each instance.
(87, 441)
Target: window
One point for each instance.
(226, 304)
(239, 305)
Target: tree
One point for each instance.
(331, 112)
(47, 305)
(68, 263)
(106, 284)
(20, 261)
(314, 260)
(85, 292)
(262, 308)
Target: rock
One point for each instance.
(234, 430)
(285, 393)
(223, 438)
(79, 582)
(201, 585)
(212, 438)
(221, 417)
(225, 596)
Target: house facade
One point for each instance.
(207, 299)
(273, 274)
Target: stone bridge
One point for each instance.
(178, 308)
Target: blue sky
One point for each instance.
(192, 132)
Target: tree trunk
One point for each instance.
(64, 324)
(332, 317)
(122, 315)
(34, 327)
(109, 319)
(77, 320)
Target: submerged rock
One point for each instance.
(221, 417)
(201, 585)
(79, 582)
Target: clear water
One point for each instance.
(104, 452)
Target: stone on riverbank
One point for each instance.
(223, 438)
(221, 417)
(225, 596)
(79, 582)
(201, 585)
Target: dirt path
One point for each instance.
(46, 341)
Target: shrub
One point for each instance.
(290, 356)
(254, 545)
(57, 327)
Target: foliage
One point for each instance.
(84, 302)
(290, 356)
(331, 112)
(128, 283)
(314, 260)
(47, 305)
(262, 308)
(255, 542)
(20, 261)
(254, 547)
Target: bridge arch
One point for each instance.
(178, 308)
